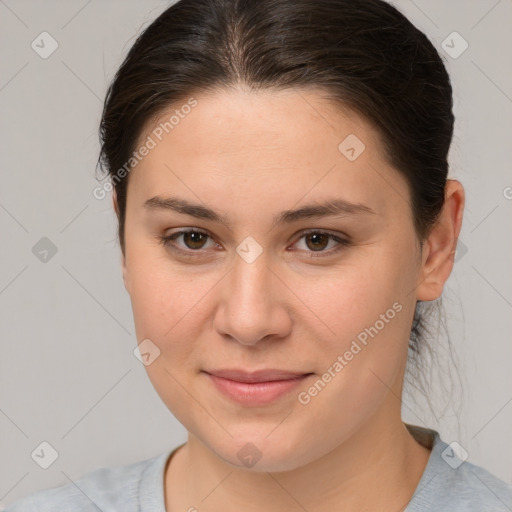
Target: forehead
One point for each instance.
(281, 143)
(236, 121)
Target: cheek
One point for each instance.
(361, 356)
(353, 298)
(366, 313)
(167, 308)
(168, 305)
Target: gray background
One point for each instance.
(67, 370)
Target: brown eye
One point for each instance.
(319, 241)
(194, 239)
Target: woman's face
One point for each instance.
(257, 292)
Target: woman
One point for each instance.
(279, 170)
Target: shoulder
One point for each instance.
(475, 488)
(107, 488)
(452, 483)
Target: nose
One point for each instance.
(254, 303)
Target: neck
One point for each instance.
(381, 464)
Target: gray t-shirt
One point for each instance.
(448, 484)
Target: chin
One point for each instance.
(262, 453)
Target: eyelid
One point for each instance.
(167, 240)
(341, 239)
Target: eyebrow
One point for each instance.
(333, 207)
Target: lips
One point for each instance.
(269, 375)
(255, 388)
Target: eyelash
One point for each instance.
(166, 242)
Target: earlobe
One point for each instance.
(439, 247)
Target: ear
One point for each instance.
(123, 257)
(439, 248)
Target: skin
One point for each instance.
(249, 156)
